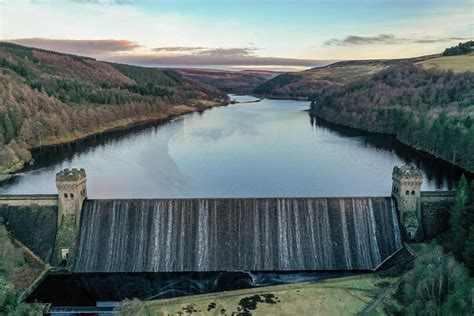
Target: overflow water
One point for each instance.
(209, 235)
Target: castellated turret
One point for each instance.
(406, 189)
(72, 192)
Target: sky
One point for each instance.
(239, 34)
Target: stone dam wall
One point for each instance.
(269, 234)
(34, 225)
(435, 210)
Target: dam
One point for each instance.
(111, 249)
(222, 234)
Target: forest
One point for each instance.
(430, 110)
(439, 282)
(48, 97)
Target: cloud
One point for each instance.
(199, 55)
(361, 40)
(129, 52)
(104, 1)
(206, 51)
(387, 39)
(440, 40)
(80, 47)
(234, 52)
(188, 60)
(178, 49)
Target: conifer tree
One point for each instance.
(9, 127)
(468, 254)
(458, 232)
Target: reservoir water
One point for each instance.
(270, 148)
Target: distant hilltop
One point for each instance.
(303, 84)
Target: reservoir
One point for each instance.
(270, 148)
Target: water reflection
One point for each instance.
(441, 174)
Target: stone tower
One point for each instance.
(72, 192)
(406, 189)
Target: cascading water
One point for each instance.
(268, 234)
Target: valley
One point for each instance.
(195, 188)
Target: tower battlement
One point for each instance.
(407, 172)
(71, 175)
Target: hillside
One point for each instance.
(430, 110)
(49, 98)
(301, 85)
(238, 82)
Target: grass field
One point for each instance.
(344, 74)
(458, 64)
(343, 296)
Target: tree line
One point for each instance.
(460, 49)
(460, 237)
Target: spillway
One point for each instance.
(254, 234)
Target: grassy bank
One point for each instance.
(343, 296)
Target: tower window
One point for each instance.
(65, 195)
(407, 192)
(71, 195)
(413, 192)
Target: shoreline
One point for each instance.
(119, 125)
(420, 151)
(273, 97)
